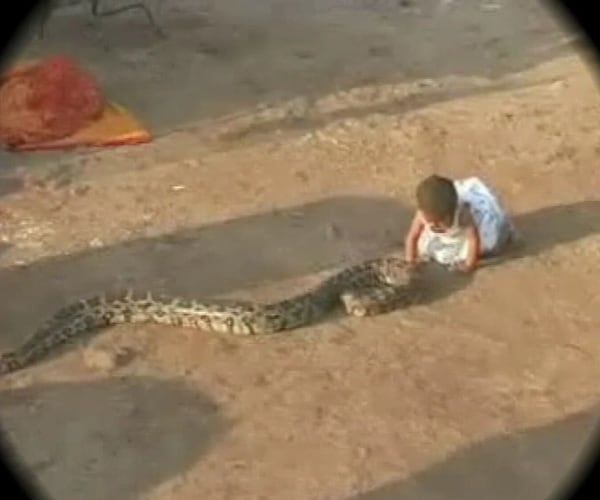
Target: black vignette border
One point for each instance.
(13, 21)
(580, 13)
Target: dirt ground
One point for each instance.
(290, 137)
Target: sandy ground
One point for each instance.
(290, 137)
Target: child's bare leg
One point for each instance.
(510, 240)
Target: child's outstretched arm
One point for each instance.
(474, 241)
(412, 238)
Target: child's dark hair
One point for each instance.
(437, 197)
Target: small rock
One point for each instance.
(380, 51)
(333, 232)
(305, 138)
(304, 54)
(427, 82)
(302, 176)
(96, 243)
(100, 359)
(79, 190)
(558, 85)
(191, 162)
(34, 407)
(490, 6)
(262, 380)
(350, 123)
(107, 358)
(22, 381)
(238, 464)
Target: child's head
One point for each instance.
(437, 200)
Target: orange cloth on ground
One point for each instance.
(41, 111)
(115, 127)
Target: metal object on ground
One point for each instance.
(50, 5)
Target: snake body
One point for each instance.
(368, 288)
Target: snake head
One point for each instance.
(398, 272)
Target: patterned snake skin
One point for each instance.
(372, 287)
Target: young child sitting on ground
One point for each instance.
(457, 223)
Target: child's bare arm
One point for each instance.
(412, 238)
(474, 240)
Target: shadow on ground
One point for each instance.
(4, 247)
(557, 225)
(85, 440)
(10, 184)
(543, 229)
(529, 465)
(210, 260)
(292, 49)
(239, 254)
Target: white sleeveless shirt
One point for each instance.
(491, 220)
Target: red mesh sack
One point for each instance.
(47, 101)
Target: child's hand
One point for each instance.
(414, 269)
(463, 267)
(413, 264)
